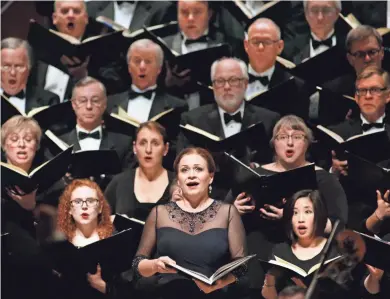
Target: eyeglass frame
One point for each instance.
(229, 81)
(94, 102)
(265, 43)
(15, 67)
(362, 54)
(82, 201)
(362, 92)
(292, 136)
(326, 11)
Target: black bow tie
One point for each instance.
(236, 117)
(202, 39)
(21, 95)
(147, 94)
(327, 42)
(94, 135)
(366, 127)
(263, 79)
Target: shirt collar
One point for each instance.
(379, 120)
(240, 109)
(315, 37)
(267, 73)
(136, 89)
(206, 32)
(80, 129)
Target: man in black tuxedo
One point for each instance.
(372, 95)
(129, 14)
(89, 102)
(230, 114)
(321, 17)
(262, 45)
(59, 73)
(195, 33)
(144, 99)
(16, 62)
(364, 47)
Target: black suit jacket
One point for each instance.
(143, 10)
(38, 97)
(162, 101)
(298, 49)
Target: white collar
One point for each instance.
(267, 73)
(379, 120)
(136, 89)
(80, 129)
(2, 91)
(315, 37)
(124, 5)
(206, 32)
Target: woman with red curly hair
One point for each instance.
(84, 218)
(84, 214)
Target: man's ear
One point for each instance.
(134, 150)
(280, 46)
(54, 18)
(166, 148)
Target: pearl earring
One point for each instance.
(210, 188)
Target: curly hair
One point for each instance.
(65, 221)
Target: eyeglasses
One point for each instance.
(363, 54)
(233, 82)
(375, 91)
(326, 11)
(265, 43)
(83, 102)
(17, 68)
(286, 137)
(90, 202)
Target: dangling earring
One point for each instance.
(210, 188)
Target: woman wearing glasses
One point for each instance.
(84, 218)
(290, 141)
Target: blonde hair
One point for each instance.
(18, 123)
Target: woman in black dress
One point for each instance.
(290, 141)
(305, 218)
(136, 191)
(196, 232)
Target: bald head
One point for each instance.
(56, 6)
(261, 24)
(70, 17)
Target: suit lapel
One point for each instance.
(159, 105)
(41, 71)
(214, 120)
(247, 119)
(74, 140)
(176, 43)
(106, 143)
(108, 11)
(141, 12)
(279, 76)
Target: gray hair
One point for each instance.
(264, 20)
(337, 3)
(241, 63)
(16, 43)
(56, 1)
(294, 122)
(87, 81)
(362, 32)
(147, 43)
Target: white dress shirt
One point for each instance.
(231, 127)
(256, 86)
(254, 6)
(56, 81)
(321, 48)
(139, 108)
(373, 130)
(20, 104)
(124, 13)
(89, 144)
